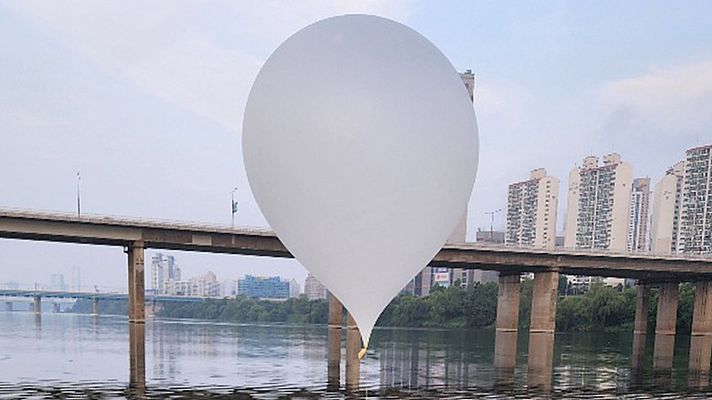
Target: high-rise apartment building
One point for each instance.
(295, 289)
(163, 269)
(682, 205)
(697, 201)
(531, 211)
(639, 215)
(313, 289)
(424, 280)
(668, 202)
(598, 209)
(199, 286)
(57, 282)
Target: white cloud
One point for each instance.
(676, 99)
(163, 49)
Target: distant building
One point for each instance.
(682, 205)
(313, 289)
(697, 206)
(639, 215)
(76, 279)
(668, 199)
(531, 211)
(57, 282)
(164, 270)
(489, 236)
(228, 288)
(200, 286)
(255, 287)
(559, 241)
(295, 290)
(598, 209)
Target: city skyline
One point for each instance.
(546, 96)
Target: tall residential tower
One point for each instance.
(667, 210)
(682, 214)
(639, 215)
(598, 209)
(697, 206)
(531, 211)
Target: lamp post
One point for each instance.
(79, 201)
(233, 207)
(491, 214)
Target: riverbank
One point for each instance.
(603, 308)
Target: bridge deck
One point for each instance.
(170, 235)
(94, 295)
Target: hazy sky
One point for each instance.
(146, 100)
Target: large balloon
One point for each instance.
(360, 145)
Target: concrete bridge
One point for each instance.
(663, 271)
(95, 297)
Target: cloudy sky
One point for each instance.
(146, 100)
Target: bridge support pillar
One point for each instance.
(640, 325)
(95, 306)
(137, 356)
(8, 306)
(541, 328)
(701, 338)
(336, 315)
(353, 346)
(137, 317)
(665, 326)
(37, 305)
(137, 311)
(505, 342)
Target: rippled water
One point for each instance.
(78, 356)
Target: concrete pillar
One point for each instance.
(353, 346)
(37, 304)
(665, 326)
(505, 342)
(8, 306)
(336, 314)
(95, 306)
(701, 337)
(640, 325)
(541, 328)
(137, 356)
(137, 311)
(137, 317)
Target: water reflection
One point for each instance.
(168, 357)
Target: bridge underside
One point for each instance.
(261, 242)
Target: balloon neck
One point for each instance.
(362, 353)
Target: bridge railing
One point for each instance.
(579, 250)
(266, 231)
(127, 221)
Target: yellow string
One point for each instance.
(362, 353)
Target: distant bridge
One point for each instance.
(149, 296)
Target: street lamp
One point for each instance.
(492, 213)
(233, 207)
(79, 194)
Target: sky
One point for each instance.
(146, 101)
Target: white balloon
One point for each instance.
(360, 145)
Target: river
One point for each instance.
(78, 356)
